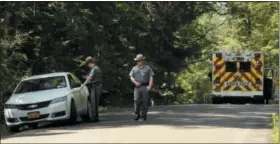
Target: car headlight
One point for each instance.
(60, 99)
(10, 106)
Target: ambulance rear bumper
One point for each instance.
(238, 94)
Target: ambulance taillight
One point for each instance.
(258, 65)
(217, 81)
(258, 82)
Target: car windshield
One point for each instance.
(41, 84)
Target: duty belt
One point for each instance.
(144, 84)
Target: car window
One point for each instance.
(41, 84)
(76, 79)
(72, 81)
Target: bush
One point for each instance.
(275, 126)
(102, 108)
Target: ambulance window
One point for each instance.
(245, 66)
(231, 67)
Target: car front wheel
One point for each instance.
(13, 129)
(73, 114)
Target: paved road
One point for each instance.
(168, 124)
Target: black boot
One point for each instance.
(95, 120)
(144, 118)
(137, 118)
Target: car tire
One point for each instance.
(73, 114)
(33, 126)
(262, 101)
(13, 129)
(214, 100)
(258, 100)
(88, 116)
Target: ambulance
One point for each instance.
(238, 76)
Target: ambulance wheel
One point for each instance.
(216, 100)
(258, 100)
(262, 101)
(73, 114)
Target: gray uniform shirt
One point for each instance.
(143, 74)
(96, 74)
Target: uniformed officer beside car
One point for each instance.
(95, 78)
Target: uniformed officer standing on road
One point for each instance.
(142, 76)
(95, 78)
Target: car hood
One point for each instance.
(35, 97)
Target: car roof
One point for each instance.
(47, 75)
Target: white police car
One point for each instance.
(47, 97)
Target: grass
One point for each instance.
(102, 109)
(274, 102)
(275, 126)
(106, 108)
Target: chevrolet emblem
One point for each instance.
(32, 106)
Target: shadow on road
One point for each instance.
(180, 116)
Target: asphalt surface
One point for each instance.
(165, 124)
